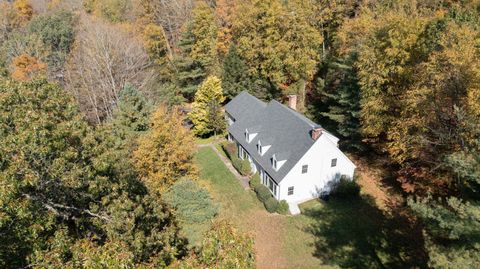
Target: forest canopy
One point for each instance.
(92, 133)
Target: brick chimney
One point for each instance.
(316, 133)
(292, 101)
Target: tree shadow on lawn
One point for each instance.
(353, 233)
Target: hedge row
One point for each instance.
(242, 166)
(265, 196)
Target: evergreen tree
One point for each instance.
(189, 72)
(235, 78)
(131, 116)
(205, 108)
(452, 224)
(343, 103)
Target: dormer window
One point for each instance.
(247, 136)
(274, 162)
(259, 148)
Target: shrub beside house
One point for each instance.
(263, 193)
(265, 196)
(242, 166)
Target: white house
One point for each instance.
(296, 158)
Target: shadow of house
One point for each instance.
(353, 233)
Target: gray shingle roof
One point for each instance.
(285, 130)
(244, 106)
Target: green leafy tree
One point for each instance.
(65, 192)
(278, 42)
(204, 31)
(452, 224)
(55, 30)
(205, 108)
(235, 76)
(223, 247)
(216, 117)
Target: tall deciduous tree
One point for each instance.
(206, 107)
(225, 11)
(104, 61)
(165, 154)
(277, 42)
(65, 194)
(204, 31)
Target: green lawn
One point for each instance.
(223, 186)
(347, 232)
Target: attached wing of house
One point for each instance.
(297, 159)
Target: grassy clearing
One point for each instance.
(351, 232)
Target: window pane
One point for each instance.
(304, 169)
(290, 190)
(334, 162)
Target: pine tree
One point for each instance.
(131, 116)
(344, 103)
(209, 93)
(235, 77)
(452, 224)
(189, 73)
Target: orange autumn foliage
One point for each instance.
(25, 67)
(24, 10)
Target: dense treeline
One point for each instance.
(398, 78)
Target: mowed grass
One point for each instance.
(223, 186)
(274, 234)
(341, 233)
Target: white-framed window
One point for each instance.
(274, 163)
(259, 148)
(333, 163)
(247, 136)
(304, 168)
(272, 186)
(241, 152)
(290, 190)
